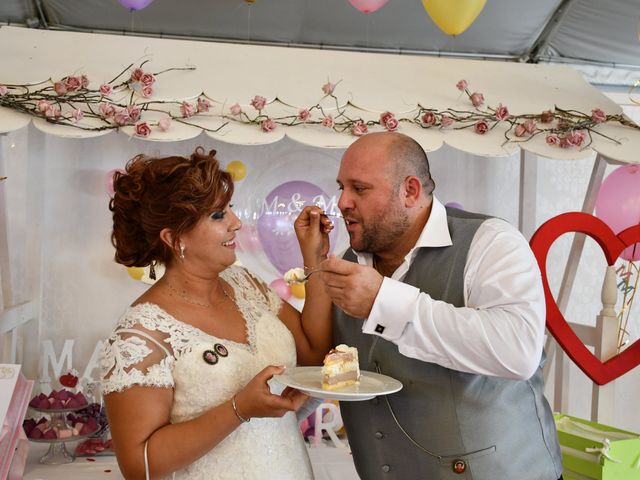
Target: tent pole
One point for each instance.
(528, 187)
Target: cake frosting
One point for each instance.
(294, 275)
(341, 368)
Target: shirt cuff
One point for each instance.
(392, 309)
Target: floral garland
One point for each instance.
(70, 100)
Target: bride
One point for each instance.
(186, 370)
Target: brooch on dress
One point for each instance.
(212, 356)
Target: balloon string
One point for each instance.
(249, 24)
(132, 20)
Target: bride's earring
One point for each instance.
(181, 250)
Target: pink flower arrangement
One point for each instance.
(70, 100)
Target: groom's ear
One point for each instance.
(411, 191)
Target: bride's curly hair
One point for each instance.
(168, 192)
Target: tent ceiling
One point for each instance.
(600, 37)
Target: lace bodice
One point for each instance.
(149, 347)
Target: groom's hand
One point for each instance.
(352, 287)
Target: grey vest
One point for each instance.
(501, 429)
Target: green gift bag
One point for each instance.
(594, 451)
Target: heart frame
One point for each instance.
(612, 245)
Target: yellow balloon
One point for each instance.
(237, 169)
(453, 16)
(135, 272)
(297, 290)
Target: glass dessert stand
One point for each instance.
(58, 453)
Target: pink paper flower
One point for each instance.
(164, 124)
(146, 91)
(547, 116)
(477, 99)
(446, 121)
(359, 128)
(530, 126)
(107, 110)
(187, 110)
(59, 88)
(598, 116)
(502, 112)
(137, 74)
(328, 121)
(520, 130)
(53, 112)
(84, 81)
(462, 85)
(328, 88)
(203, 105)
(147, 79)
(77, 114)
(429, 119)
(106, 89)
(122, 117)
(481, 127)
(268, 125)
(385, 116)
(143, 129)
(134, 113)
(72, 83)
(43, 105)
(258, 102)
(304, 115)
(564, 142)
(235, 109)
(552, 139)
(391, 125)
(3, 90)
(576, 137)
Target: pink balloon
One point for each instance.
(618, 203)
(454, 205)
(282, 289)
(135, 4)
(368, 6)
(108, 180)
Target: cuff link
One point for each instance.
(379, 329)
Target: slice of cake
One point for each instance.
(340, 368)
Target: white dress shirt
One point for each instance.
(499, 331)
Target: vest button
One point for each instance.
(379, 435)
(459, 466)
(386, 468)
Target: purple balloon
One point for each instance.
(618, 203)
(135, 4)
(275, 222)
(454, 205)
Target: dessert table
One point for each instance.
(329, 463)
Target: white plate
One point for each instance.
(309, 381)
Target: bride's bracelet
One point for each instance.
(235, 409)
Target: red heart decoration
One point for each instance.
(68, 380)
(612, 245)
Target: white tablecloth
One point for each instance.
(329, 463)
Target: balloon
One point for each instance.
(135, 4)
(247, 239)
(368, 6)
(281, 288)
(237, 169)
(453, 16)
(108, 180)
(275, 221)
(618, 203)
(135, 272)
(298, 290)
(454, 205)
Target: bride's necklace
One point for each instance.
(184, 297)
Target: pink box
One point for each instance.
(15, 391)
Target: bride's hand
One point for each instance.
(256, 399)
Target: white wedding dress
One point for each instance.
(149, 347)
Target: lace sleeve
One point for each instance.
(135, 356)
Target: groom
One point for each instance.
(451, 304)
